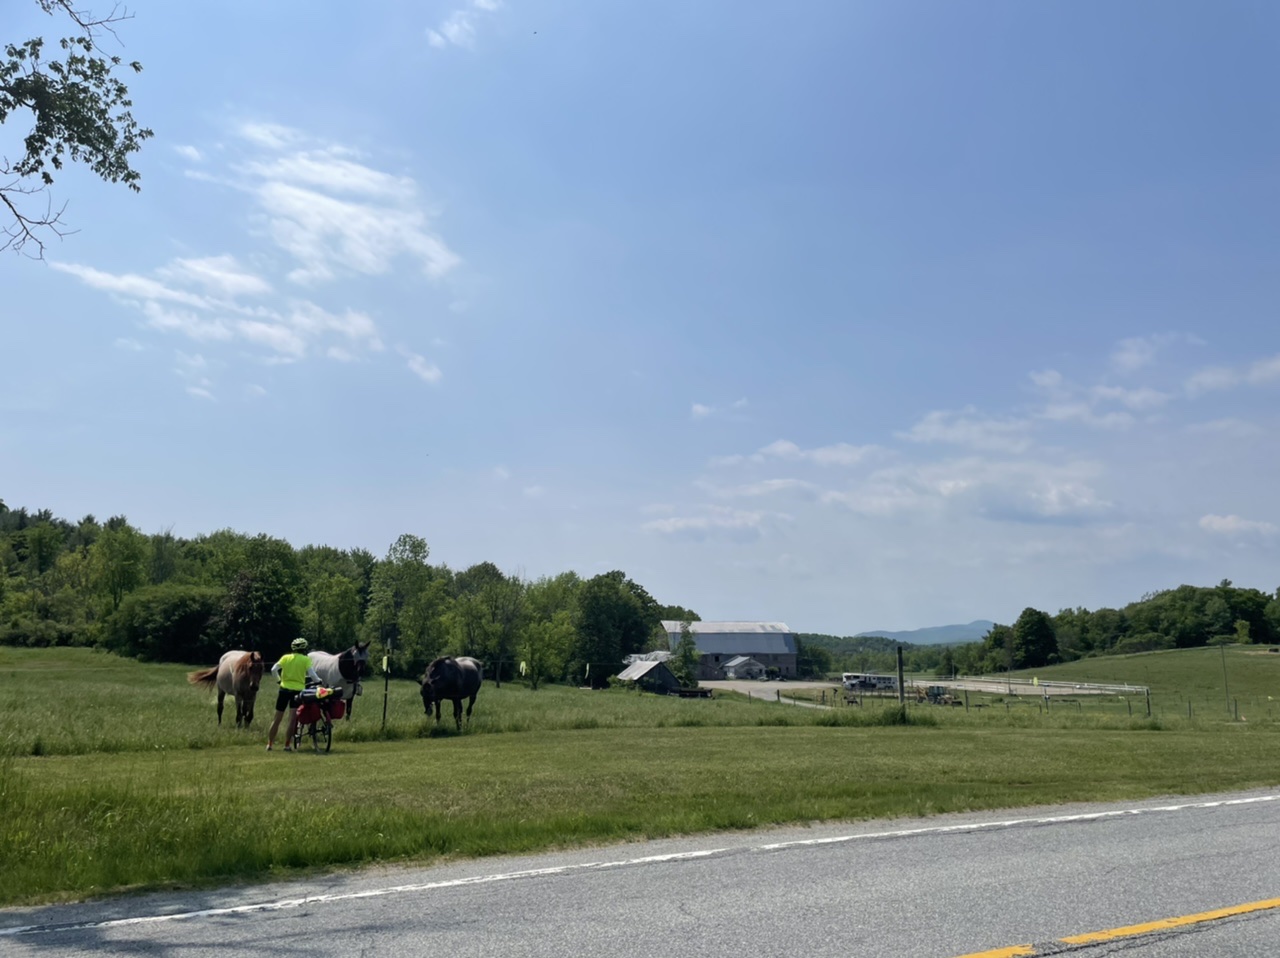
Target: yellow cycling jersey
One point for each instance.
(293, 671)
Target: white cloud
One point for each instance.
(1234, 428)
(966, 428)
(717, 522)
(1019, 491)
(501, 473)
(765, 487)
(1137, 352)
(459, 27)
(188, 152)
(332, 212)
(1233, 525)
(1213, 378)
(733, 411)
(784, 450)
(188, 324)
(1136, 399)
(534, 492)
(132, 345)
(220, 276)
(329, 236)
(428, 372)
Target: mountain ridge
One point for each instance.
(936, 634)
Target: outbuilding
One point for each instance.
(651, 676)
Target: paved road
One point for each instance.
(947, 886)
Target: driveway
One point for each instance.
(768, 691)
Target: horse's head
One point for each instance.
(353, 664)
(251, 667)
(428, 693)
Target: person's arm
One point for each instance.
(275, 670)
(312, 673)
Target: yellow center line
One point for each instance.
(1131, 931)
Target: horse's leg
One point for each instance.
(221, 695)
(457, 713)
(470, 702)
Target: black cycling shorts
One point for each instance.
(286, 698)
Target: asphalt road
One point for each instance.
(946, 886)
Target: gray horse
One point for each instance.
(452, 678)
(343, 671)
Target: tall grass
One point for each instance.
(115, 776)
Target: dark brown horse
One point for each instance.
(455, 679)
(237, 673)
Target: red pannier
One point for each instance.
(337, 709)
(308, 713)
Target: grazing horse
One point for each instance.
(343, 671)
(450, 678)
(237, 673)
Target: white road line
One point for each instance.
(1014, 822)
(286, 903)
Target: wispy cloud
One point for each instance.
(1235, 526)
(1213, 378)
(1137, 352)
(784, 450)
(717, 522)
(1233, 428)
(425, 370)
(968, 428)
(332, 213)
(459, 27)
(703, 411)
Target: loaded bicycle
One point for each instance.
(318, 707)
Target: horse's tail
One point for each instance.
(203, 676)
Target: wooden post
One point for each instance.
(902, 690)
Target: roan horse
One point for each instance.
(450, 678)
(343, 671)
(237, 673)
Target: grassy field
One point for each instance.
(114, 775)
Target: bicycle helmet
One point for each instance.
(298, 645)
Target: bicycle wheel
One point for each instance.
(327, 732)
(297, 736)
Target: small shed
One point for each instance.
(743, 667)
(651, 676)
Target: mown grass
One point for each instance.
(133, 786)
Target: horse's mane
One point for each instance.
(246, 662)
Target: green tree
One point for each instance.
(550, 627)
(616, 618)
(812, 660)
(408, 599)
(119, 561)
(167, 623)
(1034, 644)
(78, 109)
(946, 664)
(684, 659)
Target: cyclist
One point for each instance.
(293, 670)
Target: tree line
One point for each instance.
(161, 597)
(1185, 617)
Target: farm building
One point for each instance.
(743, 667)
(770, 644)
(651, 676)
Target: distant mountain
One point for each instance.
(936, 635)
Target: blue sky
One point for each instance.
(850, 315)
